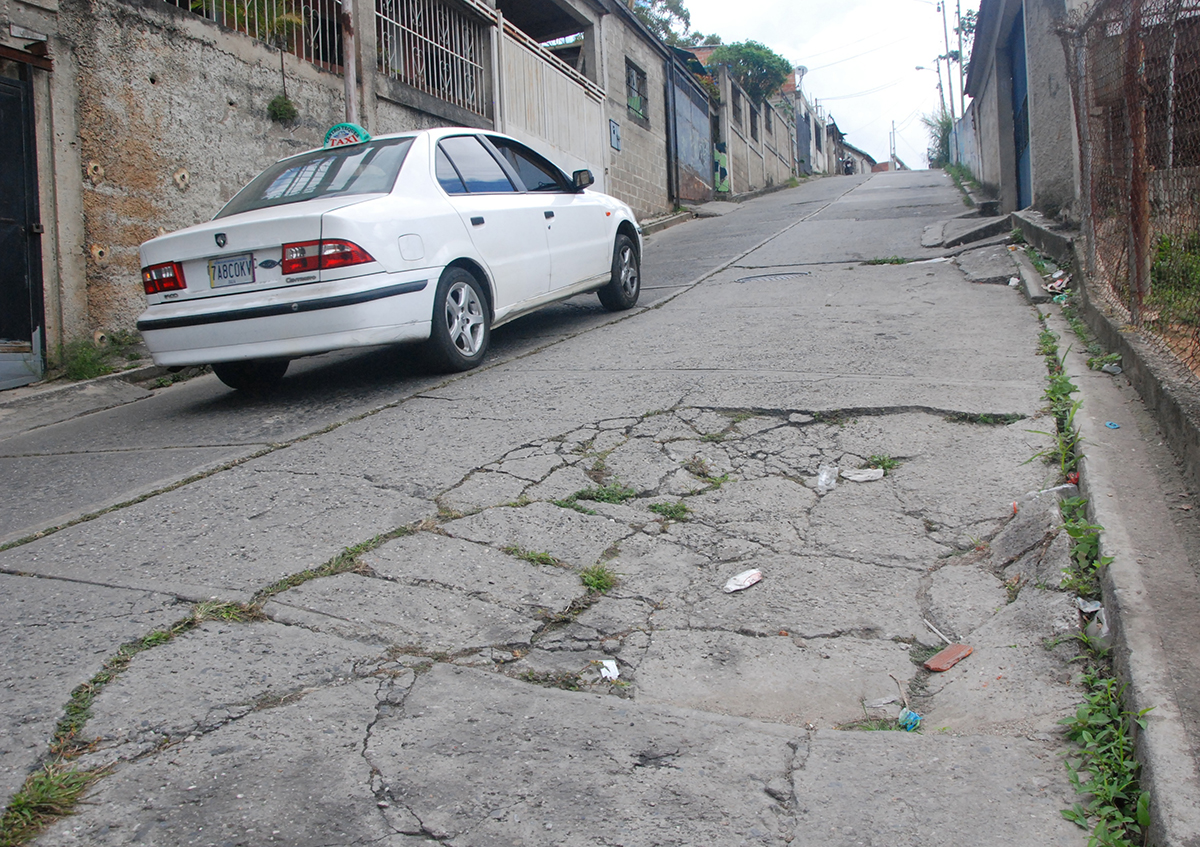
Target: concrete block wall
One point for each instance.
(637, 173)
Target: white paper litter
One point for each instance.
(863, 474)
(609, 670)
(1013, 282)
(743, 580)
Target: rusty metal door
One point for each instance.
(692, 140)
(21, 331)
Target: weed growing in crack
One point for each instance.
(1047, 343)
(986, 418)
(1012, 587)
(890, 260)
(598, 578)
(572, 503)
(1096, 362)
(1083, 577)
(672, 511)
(614, 492)
(881, 460)
(344, 562)
(535, 557)
(48, 794)
(919, 654)
(714, 437)
(1105, 774)
(549, 679)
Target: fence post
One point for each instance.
(1139, 195)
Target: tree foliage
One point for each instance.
(668, 19)
(939, 126)
(758, 69)
(966, 27)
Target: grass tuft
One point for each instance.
(48, 794)
(598, 578)
(672, 511)
(536, 557)
(614, 492)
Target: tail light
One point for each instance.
(165, 277)
(321, 255)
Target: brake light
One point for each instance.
(165, 277)
(321, 255)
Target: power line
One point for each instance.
(861, 93)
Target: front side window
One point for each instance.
(635, 91)
(537, 173)
(474, 164)
(368, 168)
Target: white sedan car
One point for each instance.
(435, 236)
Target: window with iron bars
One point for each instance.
(635, 91)
(435, 48)
(767, 121)
(310, 29)
(735, 102)
(754, 123)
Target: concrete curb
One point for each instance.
(26, 394)
(1123, 497)
(1057, 244)
(1031, 280)
(659, 224)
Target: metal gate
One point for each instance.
(1020, 106)
(692, 139)
(21, 329)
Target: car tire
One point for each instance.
(623, 288)
(256, 375)
(461, 330)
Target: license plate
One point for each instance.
(231, 270)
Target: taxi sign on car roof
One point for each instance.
(342, 134)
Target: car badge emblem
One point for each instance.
(268, 263)
(221, 239)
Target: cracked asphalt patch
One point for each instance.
(455, 683)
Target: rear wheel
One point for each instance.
(251, 374)
(461, 329)
(623, 289)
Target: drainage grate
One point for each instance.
(773, 277)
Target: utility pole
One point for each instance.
(893, 145)
(962, 71)
(949, 78)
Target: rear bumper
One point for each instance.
(360, 312)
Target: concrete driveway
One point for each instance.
(423, 662)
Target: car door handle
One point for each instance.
(548, 215)
(477, 221)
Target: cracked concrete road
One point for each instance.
(449, 678)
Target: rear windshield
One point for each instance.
(369, 168)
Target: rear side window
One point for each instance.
(369, 168)
(478, 169)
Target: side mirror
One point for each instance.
(582, 179)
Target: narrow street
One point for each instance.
(428, 665)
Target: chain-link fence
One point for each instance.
(1135, 67)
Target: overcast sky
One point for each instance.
(861, 55)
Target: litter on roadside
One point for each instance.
(742, 581)
(1059, 285)
(826, 478)
(1013, 282)
(1097, 630)
(880, 703)
(948, 657)
(1112, 425)
(863, 475)
(1088, 607)
(909, 720)
(609, 670)
(1111, 368)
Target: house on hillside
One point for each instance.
(122, 119)
(755, 141)
(810, 127)
(1018, 134)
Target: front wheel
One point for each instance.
(623, 289)
(255, 375)
(461, 330)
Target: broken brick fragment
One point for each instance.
(948, 658)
